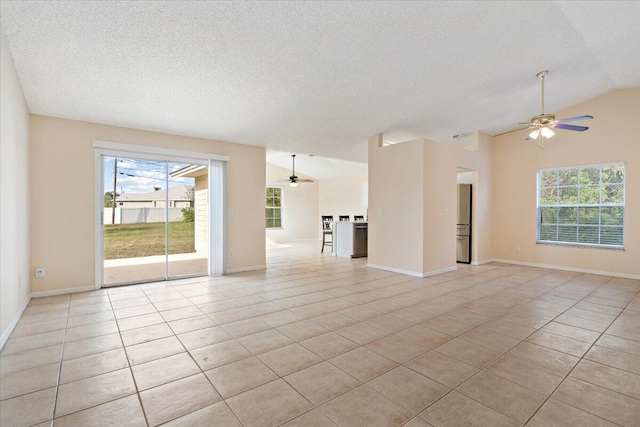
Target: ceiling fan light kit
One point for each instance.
(543, 124)
(293, 179)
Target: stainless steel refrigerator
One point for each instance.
(463, 242)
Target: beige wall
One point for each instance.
(396, 186)
(62, 157)
(342, 196)
(300, 218)
(614, 136)
(440, 206)
(415, 185)
(14, 194)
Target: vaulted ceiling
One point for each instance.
(318, 77)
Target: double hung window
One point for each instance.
(274, 207)
(582, 206)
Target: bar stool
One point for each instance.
(357, 218)
(327, 220)
(343, 217)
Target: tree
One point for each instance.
(190, 194)
(188, 215)
(108, 199)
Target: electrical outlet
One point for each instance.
(379, 211)
(443, 253)
(517, 248)
(230, 254)
(19, 282)
(41, 271)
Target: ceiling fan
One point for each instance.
(293, 179)
(543, 124)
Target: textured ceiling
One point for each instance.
(315, 166)
(318, 77)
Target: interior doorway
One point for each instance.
(154, 220)
(466, 226)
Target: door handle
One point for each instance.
(461, 238)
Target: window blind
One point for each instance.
(582, 205)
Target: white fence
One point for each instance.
(140, 215)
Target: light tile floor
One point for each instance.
(322, 341)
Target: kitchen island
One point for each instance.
(350, 239)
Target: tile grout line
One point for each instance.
(501, 356)
(64, 339)
(581, 359)
(479, 371)
(126, 355)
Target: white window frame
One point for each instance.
(281, 206)
(578, 205)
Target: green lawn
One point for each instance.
(138, 240)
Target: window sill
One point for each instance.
(581, 246)
(274, 228)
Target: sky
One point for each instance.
(140, 176)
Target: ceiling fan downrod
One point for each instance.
(293, 156)
(542, 75)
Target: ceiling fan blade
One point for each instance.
(575, 119)
(571, 127)
(305, 180)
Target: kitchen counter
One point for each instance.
(350, 239)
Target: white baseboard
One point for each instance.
(484, 261)
(412, 273)
(62, 291)
(564, 268)
(14, 322)
(243, 269)
(441, 271)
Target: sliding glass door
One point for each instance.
(188, 242)
(154, 220)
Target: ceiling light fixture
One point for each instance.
(293, 184)
(534, 134)
(546, 132)
(543, 131)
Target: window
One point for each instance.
(582, 206)
(274, 207)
